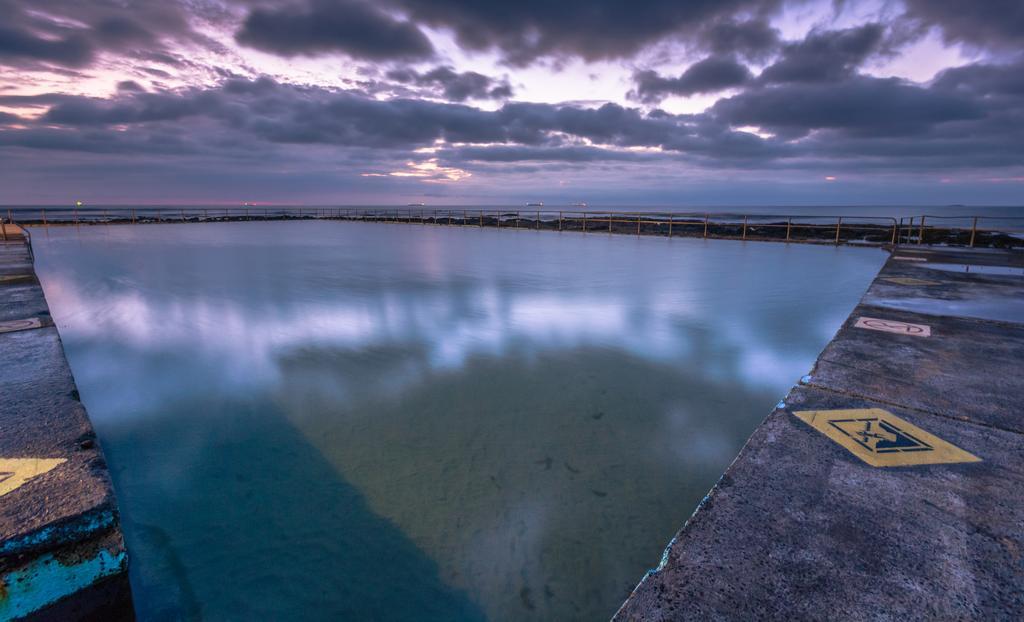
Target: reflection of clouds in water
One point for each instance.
(485, 321)
(534, 412)
(694, 442)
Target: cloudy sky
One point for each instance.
(613, 102)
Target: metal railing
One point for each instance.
(11, 232)
(818, 229)
(969, 231)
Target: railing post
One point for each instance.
(894, 236)
(481, 218)
(705, 225)
(744, 226)
(974, 230)
(538, 220)
(609, 223)
(44, 217)
(158, 215)
(183, 214)
(584, 222)
(839, 223)
(465, 217)
(920, 234)
(517, 219)
(559, 220)
(3, 228)
(671, 219)
(638, 224)
(789, 227)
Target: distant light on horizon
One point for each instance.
(830, 177)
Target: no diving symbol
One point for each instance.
(879, 436)
(894, 326)
(882, 439)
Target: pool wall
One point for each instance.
(62, 555)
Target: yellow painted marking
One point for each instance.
(882, 439)
(16, 472)
(11, 326)
(908, 280)
(14, 277)
(893, 326)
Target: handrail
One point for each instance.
(28, 244)
(18, 231)
(813, 228)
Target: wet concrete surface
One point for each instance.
(801, 528)
(914, 286)
(966, 369)
(59, 530)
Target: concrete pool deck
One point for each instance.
(62, 556)
(889, 483)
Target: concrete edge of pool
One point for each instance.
(887, 483)
(62, 555)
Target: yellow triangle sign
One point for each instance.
(882, 439)
(16, 472)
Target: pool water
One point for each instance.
(328, 420)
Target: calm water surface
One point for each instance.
(327, 420)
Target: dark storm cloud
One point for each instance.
(269, 111)
(103, 142)
(525, 30)
(707, 76)
(983, 78)
(825, 56)
(130, 85)
(970, 116)
(356, 28)
(70, 33)
(453, 85)
(72, 50)
(982, 23)
(516, 153)
(753, 39)
(822, 56)
(140, 108)
(861, 106)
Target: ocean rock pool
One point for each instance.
(330, 420)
